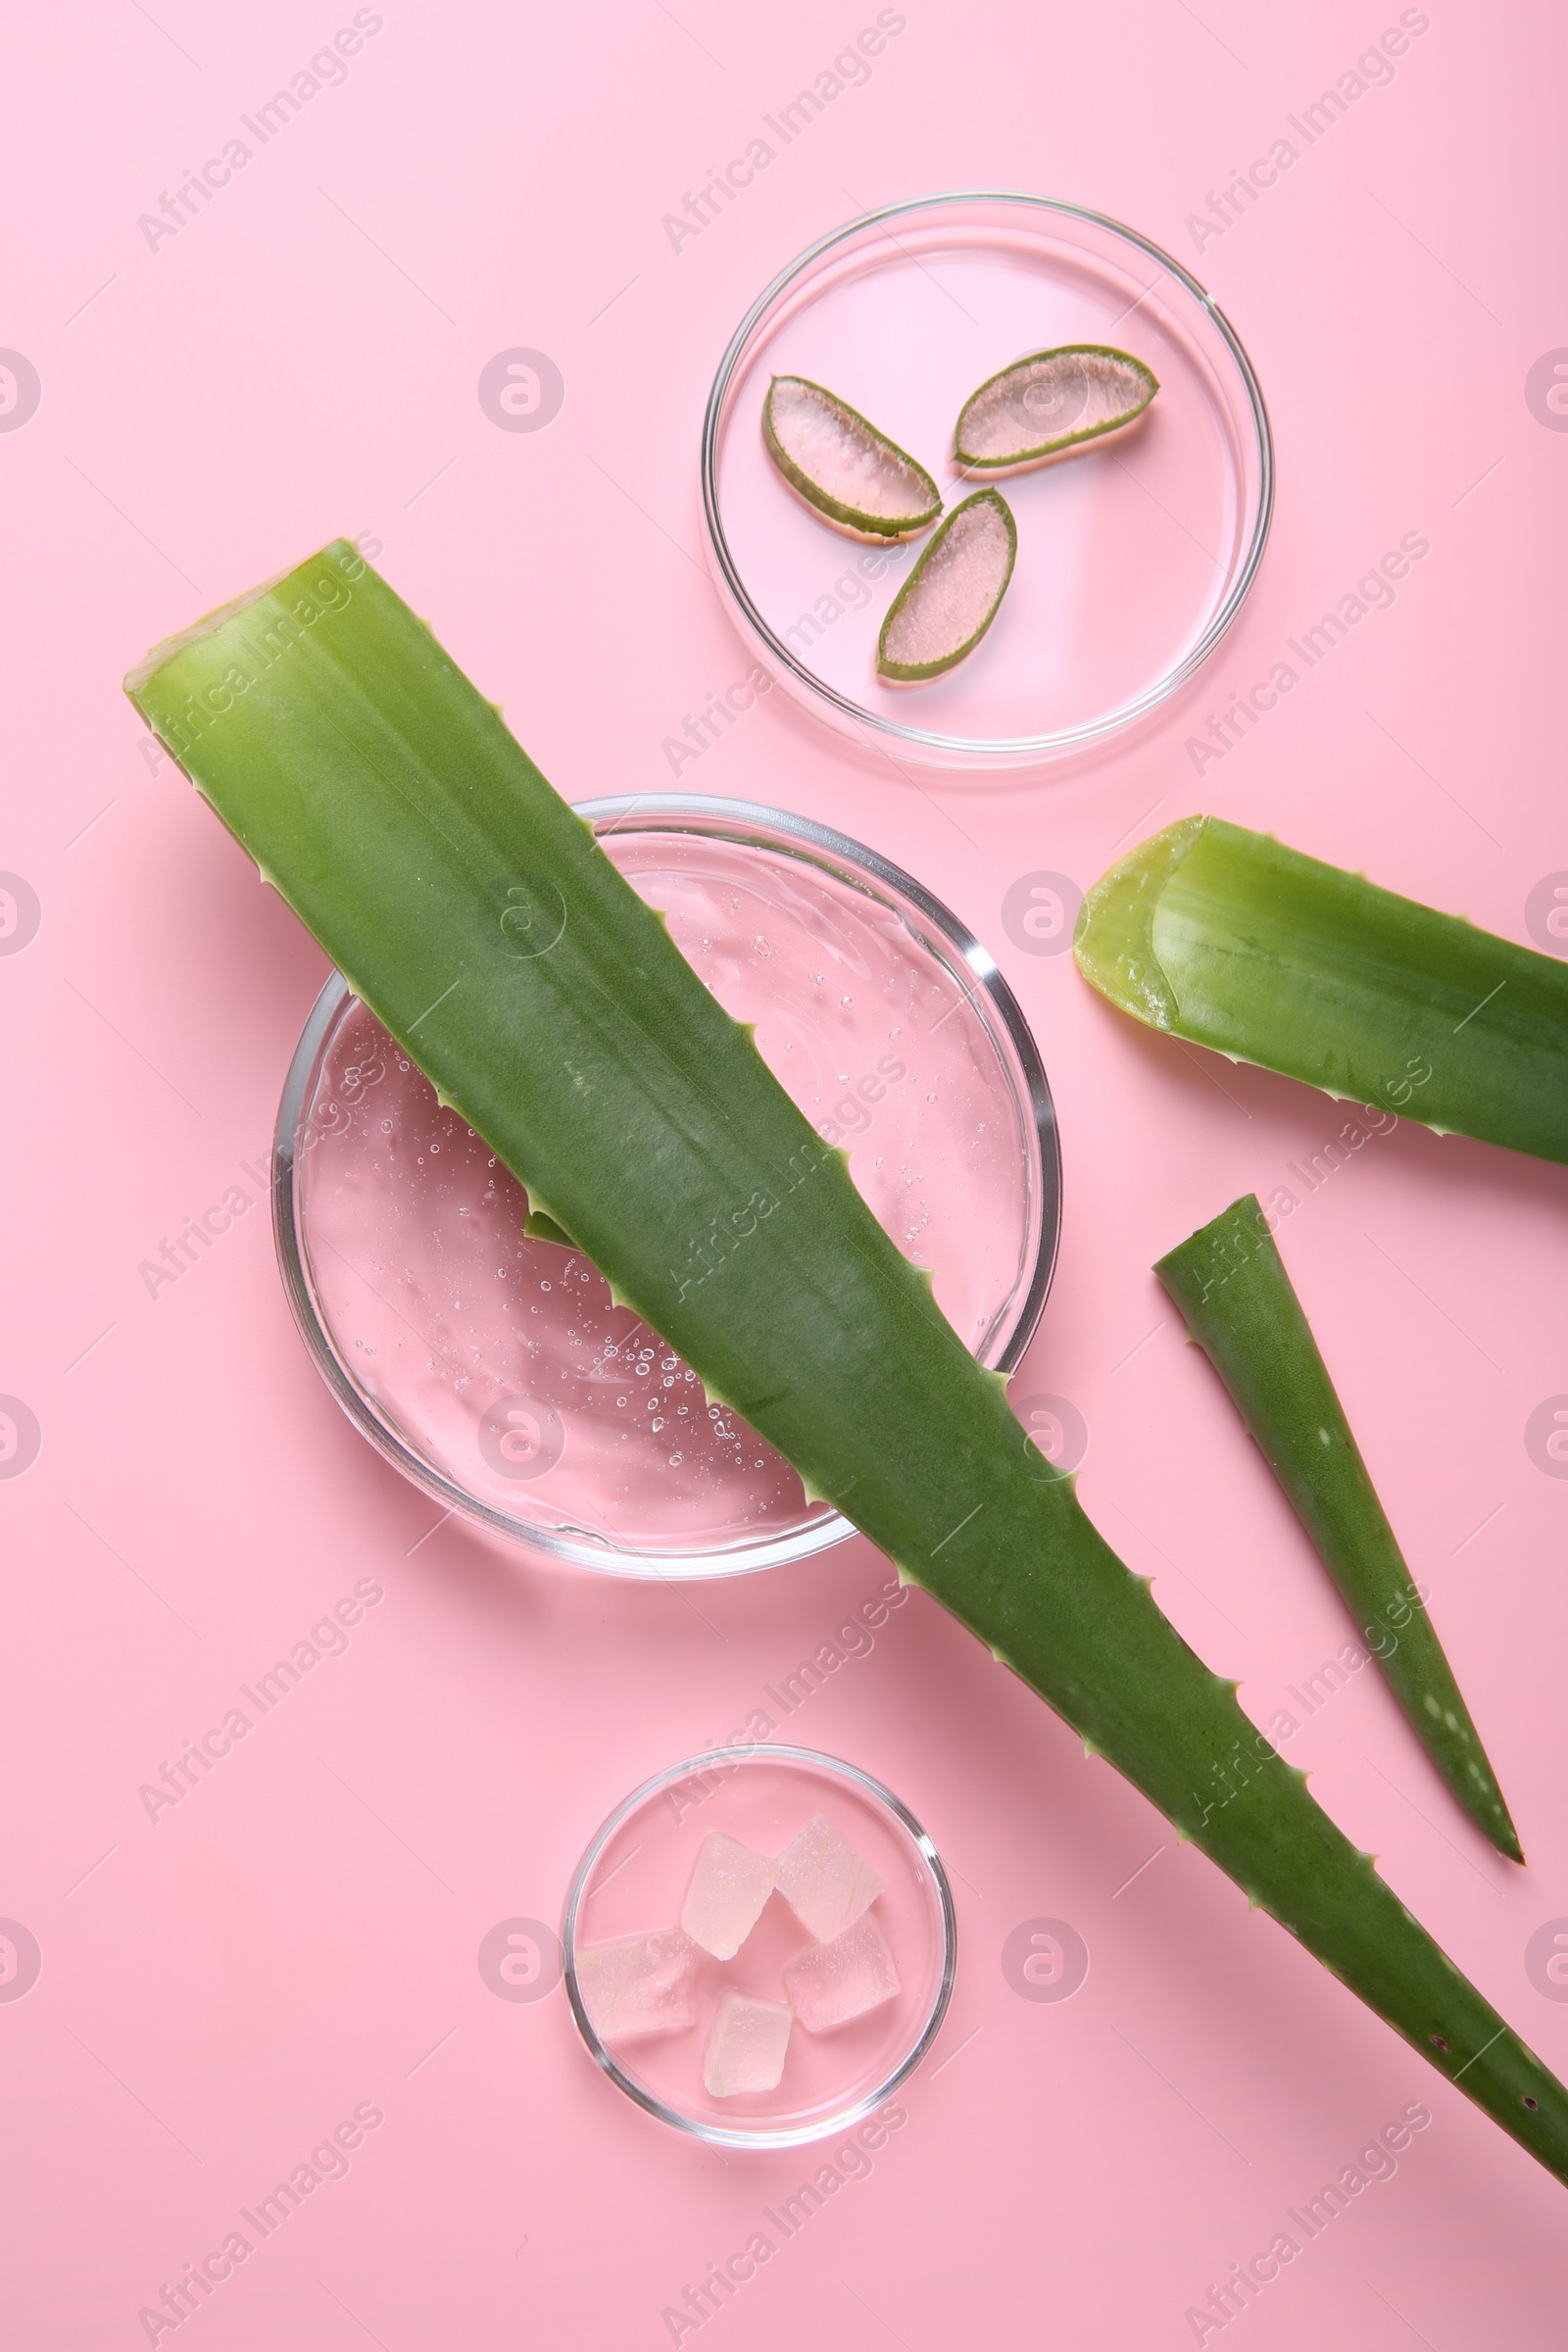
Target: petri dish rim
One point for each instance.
(871, 728)
(850, 863)
(866, 1785)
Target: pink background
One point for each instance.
(300, 1934)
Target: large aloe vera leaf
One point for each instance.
(1231, 940)
(1238, 1303)
(476, 914)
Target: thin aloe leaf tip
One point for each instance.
(1237, 1302)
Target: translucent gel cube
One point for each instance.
(640, 1984)
(831, 1983)
(724, 1900)
(823, 1880)
(746, 2046)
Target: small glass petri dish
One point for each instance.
(1134, 559)
(633, 1880)
(492, 1367)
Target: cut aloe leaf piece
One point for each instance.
(1048, 406)
(474, 911)
(1229, 939)
(951, 598)
(854, 476)
(1238, 1303)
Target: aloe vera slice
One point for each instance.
(474, 911)
(1231, 940)
(1230, 1283)
(856, 477)
(951, 598)
(1049, 405)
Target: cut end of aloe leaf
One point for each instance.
(1235, 940)
(854, 476)
(1113, 944)
(951, 598)
(137, 681)
(1049, 405)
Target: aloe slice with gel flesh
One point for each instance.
(952, 594)
(852, 475)
(477, 918)
(1237, 1302)
(1049, 405)
(1231, 940)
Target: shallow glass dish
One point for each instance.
(634, 1875)
(491, 1366)
(1132, 557)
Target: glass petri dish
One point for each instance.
(633, 1879)
(491, 1366)
(1134, 559)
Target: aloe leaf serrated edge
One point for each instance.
(393, 810)
(1231, 1286)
